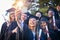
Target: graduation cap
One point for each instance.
(50, 9)
(10, 10)
(31, 16)
(44, 19)
(28, 14)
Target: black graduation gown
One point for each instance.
(16, 36)
(20, 34)
(43, 36)
(29, 35)
(6, 31)
(10, 34)
(3, 30)
(56, 33)
(51, 33)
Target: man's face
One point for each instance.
(32, 22)
(58, 8)
(23, 16)
(50, 13)
(43, 24)
(38, 14)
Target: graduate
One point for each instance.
(53, 17)
(58, 8)
(7, 24)
(39, 14)
(17, 28)
(54, 21)
(21, 26)
(31, 33)
(44, 31)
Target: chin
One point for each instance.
(31, 25)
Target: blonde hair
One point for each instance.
(10, 19)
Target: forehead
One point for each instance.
(43, 21)
(50, 11)
(38, 13)
(32, 19)
(11, 13)
(24, 14)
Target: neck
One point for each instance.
(11, 20)
(32, 28)
(22, 20)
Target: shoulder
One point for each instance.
(5, 23)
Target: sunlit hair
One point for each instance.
(10, 18)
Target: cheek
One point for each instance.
(25, 17)
(35, 23)
(12, 16)
(43, 27)
(59, 8)
(37, 15)
(22, 17)
(49, 15)
(30, 23)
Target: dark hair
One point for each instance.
(55, 12)
(39, 12)
(58, 4)
(32, 16)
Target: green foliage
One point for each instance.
(43, 10)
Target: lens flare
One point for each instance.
(20, 4)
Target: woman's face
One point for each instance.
(58, 8)
(38, 14)
(32, 22)
(50, 13)
(12, 16)
(43, 24)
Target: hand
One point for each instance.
(49, 38)
(8, 23)
(15, 30)
(55, 28)
(17, 14)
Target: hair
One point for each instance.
(58, 4)
(55, 12)
(10, 18)
(39, 12)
